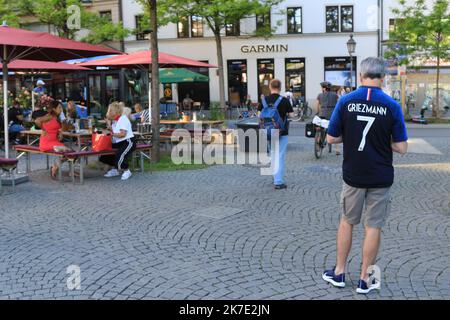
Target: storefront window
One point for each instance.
(140, 27)
(337, 71)
(233, 29)
(347, 19)
(295, 76)
(136, 87)
(332, 19)
(183, 27)
(266, 72)
(196, 26)
(198, 91)
(237, 81)
(106, 14)
(263, 21)
(112, 88)
(75, 89)
(95, 106)
(294, 17)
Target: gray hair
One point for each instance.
(373, 68)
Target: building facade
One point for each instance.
(308, 47)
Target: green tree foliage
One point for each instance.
(8, 13)
(57, 15)
(421, 33)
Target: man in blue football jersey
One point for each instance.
(371, 126)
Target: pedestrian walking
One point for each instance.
(326, 102)
(274, 113)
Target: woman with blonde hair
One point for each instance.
(123, 141)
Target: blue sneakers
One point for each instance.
(363, 288)
(337, 280)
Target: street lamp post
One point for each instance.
(351, 47)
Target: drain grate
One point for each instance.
(217, 212)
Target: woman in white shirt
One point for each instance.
(123, 140)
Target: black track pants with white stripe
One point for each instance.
(124, 151)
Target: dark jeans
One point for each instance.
(122, 157)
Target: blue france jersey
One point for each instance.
(368, 120)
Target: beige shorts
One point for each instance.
(377, 204)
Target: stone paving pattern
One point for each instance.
(147, 238)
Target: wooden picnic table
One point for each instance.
(80, 136)
(205, 122)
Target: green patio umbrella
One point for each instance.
(180, 75)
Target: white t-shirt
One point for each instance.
(122, 124)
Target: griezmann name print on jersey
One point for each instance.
(368, 121)
(366, 108)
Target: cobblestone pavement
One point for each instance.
(222, 233)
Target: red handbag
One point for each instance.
(101, 142)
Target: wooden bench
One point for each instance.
(74, 156)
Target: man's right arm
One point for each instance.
(399, 142)
(400, 147)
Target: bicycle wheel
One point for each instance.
(318, 149)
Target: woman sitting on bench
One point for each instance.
(123, 140)
(51, 133)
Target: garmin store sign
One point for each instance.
(277, 48)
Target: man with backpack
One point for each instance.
(274, 113)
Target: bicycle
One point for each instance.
(302, 111)
(320, 142)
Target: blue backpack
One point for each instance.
(270, 118)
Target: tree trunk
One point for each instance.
(155, 80)
(437, 105)
(221, 68)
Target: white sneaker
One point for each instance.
(112, 173)
(126, 175)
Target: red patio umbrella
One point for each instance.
(143, 59)
(20, 44)
(41, 66)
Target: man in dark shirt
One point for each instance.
(326, 102)
(371, 126)
(285, 110)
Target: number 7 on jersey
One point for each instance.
(370, 121)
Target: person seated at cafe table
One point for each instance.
(140, 114)
(51, 133)
(15, 117)
(71, 111)
(122, 139)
